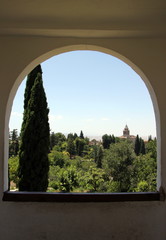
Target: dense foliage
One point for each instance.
(80, 165)
(34, 139)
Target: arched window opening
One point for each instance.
(102, 126)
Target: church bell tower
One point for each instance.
(126, 131)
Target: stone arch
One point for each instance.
(76, 47)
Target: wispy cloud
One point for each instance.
(89, 120)
(104, 119)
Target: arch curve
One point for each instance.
(76, 47)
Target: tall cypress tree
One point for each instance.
(29, 84)
(27, 94)
(13, 143)
(142, 146)
(34, 147)
(81, 135)
(137, 145)
(80, 143)
(99, 157)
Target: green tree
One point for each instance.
(149, 138)
(81, 135)
(118, 160)
(54, 177)
(34, 147)
(80, 143)
(13, 169)
(113, 139)
(151, 148)
(142, 187)
(29, 84)
(106, 141)
(52, 140)
(75, 136)
(71, 147)
(137, 145)
(57, 139)
(144, 173)
(68, 179)
(93, 179)
(98, 155)
(13, 143)
(70, 136)
(142, 146)
(59, 159)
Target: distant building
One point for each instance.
(126, 134)
(94, 142)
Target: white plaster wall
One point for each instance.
(63, 221)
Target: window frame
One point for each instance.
(82, 197)
(85, 197)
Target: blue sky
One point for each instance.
(93, 92)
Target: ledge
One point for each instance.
(80, 197)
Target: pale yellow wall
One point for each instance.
(127, 221)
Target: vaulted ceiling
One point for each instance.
(83, 18)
